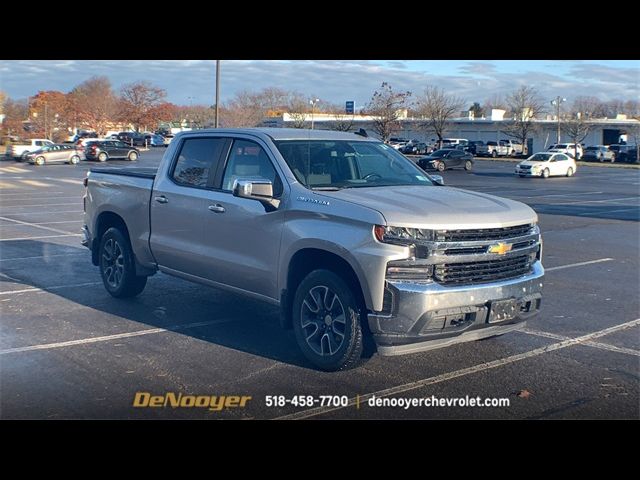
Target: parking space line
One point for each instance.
(629, 209)
(34, 225)
(44, 256)
(564, 195)
(41, 213)
(571, 265)
(39, 238)
(106, 338)
(598, 201)
(57, 287)
(35, 183)
(44, 205)
(600, 345)
(2, 195)
(463, 372)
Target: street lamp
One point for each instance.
(313, 106)
(556, 102)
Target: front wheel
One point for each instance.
(40, 161)
(441, 167)
(545, 173)
(326, 321)
(74, 160)
(494, 154)
(133, 156)
(468, 165)
(102, 157)
(117, 265)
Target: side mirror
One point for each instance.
(437, 179)
(255, 189)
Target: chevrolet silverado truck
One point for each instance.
(347, 236)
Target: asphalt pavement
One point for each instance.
(69, 350)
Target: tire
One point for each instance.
(326, 322)
(102, 157)
(133, 156)
(570, 172)
(494, 154)
(545, 173)
(441, 167)
(468, 165)
(117, 265)
(613, 158)
(601, 158)
(39, 161)
(521, 176)
(513, 153)
(74, 160)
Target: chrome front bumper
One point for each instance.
(426, 316)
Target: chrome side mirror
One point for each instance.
(437, 179)
(255, 189)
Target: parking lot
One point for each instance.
(69, 350)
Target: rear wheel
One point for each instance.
(102, 157)
(40, 161)
(133, 156)
(570, 172)
(468, 165)
(494, 154)
(441, 167)
(326, 321)
(117, 265)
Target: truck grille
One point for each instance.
(484, 271)
(482, 234)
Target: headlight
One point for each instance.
(402, 235)
(409, 269)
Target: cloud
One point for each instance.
(331, 80)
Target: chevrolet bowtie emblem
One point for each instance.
(500, 248)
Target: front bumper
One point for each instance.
(427, 316)
(528, 172)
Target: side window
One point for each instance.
(197, 159)
(560, 157)
(38, 143)
(247, 159)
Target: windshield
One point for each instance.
(540, 157)
(335, 164)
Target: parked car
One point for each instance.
(56, 153)
(598, 153)
(398, 142)
(132, 138)
(569, 148)
(154, 140)
(167, 139)
(624, 153)
(353, 242)
(106, 149)
(419, 148)
(473, 146)
(447, 158)
(547, 164)
(514, 147)
(17, 150)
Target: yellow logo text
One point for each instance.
(170, 399)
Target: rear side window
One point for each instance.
(198, 158)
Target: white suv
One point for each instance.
(568, 148)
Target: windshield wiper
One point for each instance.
(326, 189)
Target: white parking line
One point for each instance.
(20, 222)
(57, 287)
(43, 205)
(600, 345)
(44, 256)
(46, 195)
(42, 213)
(571, 265)
(39, 238)
(51, 223)
(631, 209)
(598, 201)
(106, 338)
(462, 372)
(564, 195)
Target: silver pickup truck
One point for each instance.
(345, 234)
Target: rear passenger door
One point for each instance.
(179, 206)
(242, 236)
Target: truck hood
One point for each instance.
(438, 207)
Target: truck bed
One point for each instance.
(140, 172)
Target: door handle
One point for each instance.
(161, 199)
(217, 208)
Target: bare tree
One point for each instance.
(342, 122)
(386, 108)
(495, 101)
(92, 104)
(249, 109)
(575, 126)
(139, 102)
(525, 105)
(436, 108)
(298, 109)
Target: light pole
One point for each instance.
(313, 106)
(556, 102)
(217, 91)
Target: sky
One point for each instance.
(336, 81)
